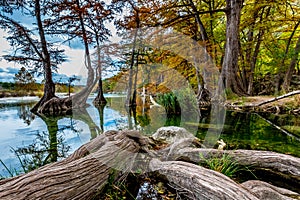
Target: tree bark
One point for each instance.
(60, 106)
(114, 154)
(128, 100)
(230, 63)
(49, 87)
(99, 100)
(252, 59)
(291, 69)
(80, 176)
(280, 75)
(265, 190)
(281, 164)
(195, 182)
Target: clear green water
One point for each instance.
(43, 140)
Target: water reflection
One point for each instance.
(38, 140)
(83, 116)
(25, 114)
(100, 109)
(48, 146)
(51, 146)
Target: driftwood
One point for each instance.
(285, 166)
(278, 98)
(78, 177)
(114, 154)
(195, 182)
(265, 190)
(262, 105)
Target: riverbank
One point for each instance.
(289, 104)
(14, 93)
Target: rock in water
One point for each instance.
(172, 134)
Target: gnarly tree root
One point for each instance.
(195, 182)
(265, 190)
(85, 173)
(283, 165)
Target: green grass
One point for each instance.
(225, 165)
(11, 171)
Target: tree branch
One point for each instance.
(278, 98)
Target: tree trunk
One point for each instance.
(203, 32)
(280, 75)
(134, 94)
(60, 106)
(99, 100)
(253, 58)
(128, 100)
(291, 69)
(80, 176)
(285, 166)
(49, 87)
(265, 190)
(230, 63)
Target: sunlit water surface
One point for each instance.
(20, 128)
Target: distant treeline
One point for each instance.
(9, 89)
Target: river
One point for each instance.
(30, 140)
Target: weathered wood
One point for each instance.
(267, 191)
(80, 176)
(278, 98)
(87, 170)
(284, 165)
(195, 182)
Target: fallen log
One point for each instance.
(80, 176)
(195, 182)
(266, 191)
(261, 106)
(114, 154)
(281, 163)
(278, 98)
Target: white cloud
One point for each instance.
(75, 65)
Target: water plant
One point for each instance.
(169, 102)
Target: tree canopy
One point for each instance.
(254, 44)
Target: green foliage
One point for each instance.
(24, 80)
(225, 165)
(187, 99)
(114, 190)
(7, 85)
(170, 102)
(109, 84)
(37, 154)
(231, 95)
